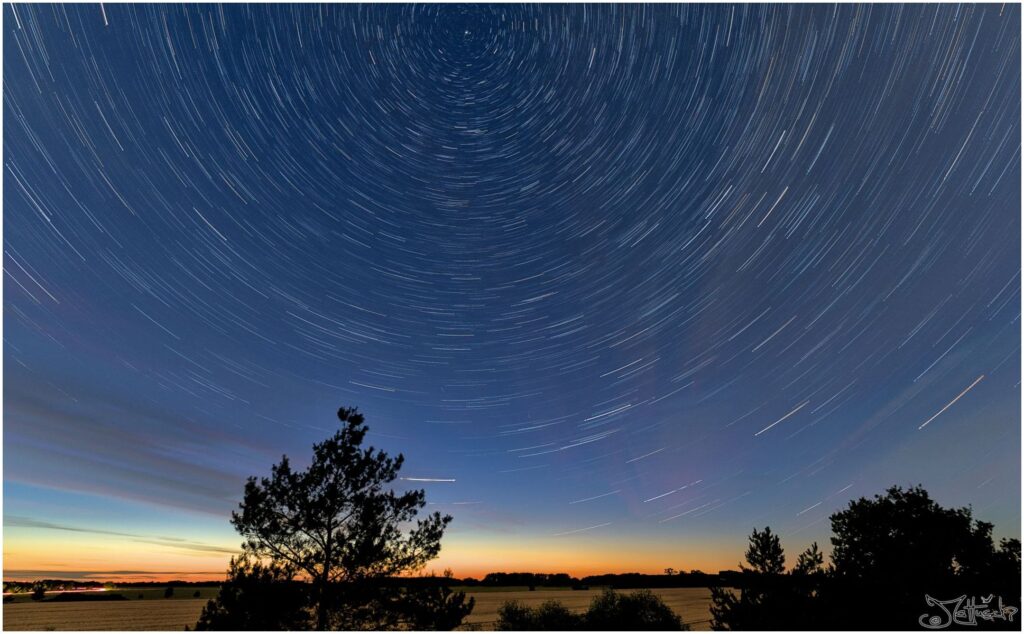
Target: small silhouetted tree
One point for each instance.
(339, 524)
(761, 603)
(168, 592)
(810, 562)
(765, 554)
(38, 591)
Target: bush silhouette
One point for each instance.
(549, 616)
(435, 607)
(639, 611)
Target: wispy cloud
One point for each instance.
(157, 540)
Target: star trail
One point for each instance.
(621, 282)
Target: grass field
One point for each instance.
(155, 614)
(174, 614)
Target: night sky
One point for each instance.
(621, 282)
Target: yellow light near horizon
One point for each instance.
(466, 555)
(75, 552)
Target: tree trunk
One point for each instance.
(321, 606)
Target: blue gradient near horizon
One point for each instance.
(575, 258)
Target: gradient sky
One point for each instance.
(629, 280)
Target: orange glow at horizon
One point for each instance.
(120, 560)
(476, 558)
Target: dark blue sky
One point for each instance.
(633, 278)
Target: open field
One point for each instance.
(175, 614)
(155, 614)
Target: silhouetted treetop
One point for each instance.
(338, 522)
(905, 536)
(810, 561)
(765, 554)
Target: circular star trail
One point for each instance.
(600, 272)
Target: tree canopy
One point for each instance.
(341, 527)
(889, 553)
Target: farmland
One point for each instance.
(145, 614)
(151, 613)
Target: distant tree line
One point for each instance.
(557, 580)
(692, 579)
(620, 581)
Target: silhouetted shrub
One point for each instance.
(513, 616)
(549, 616)
(434, 608)
(639, 611)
